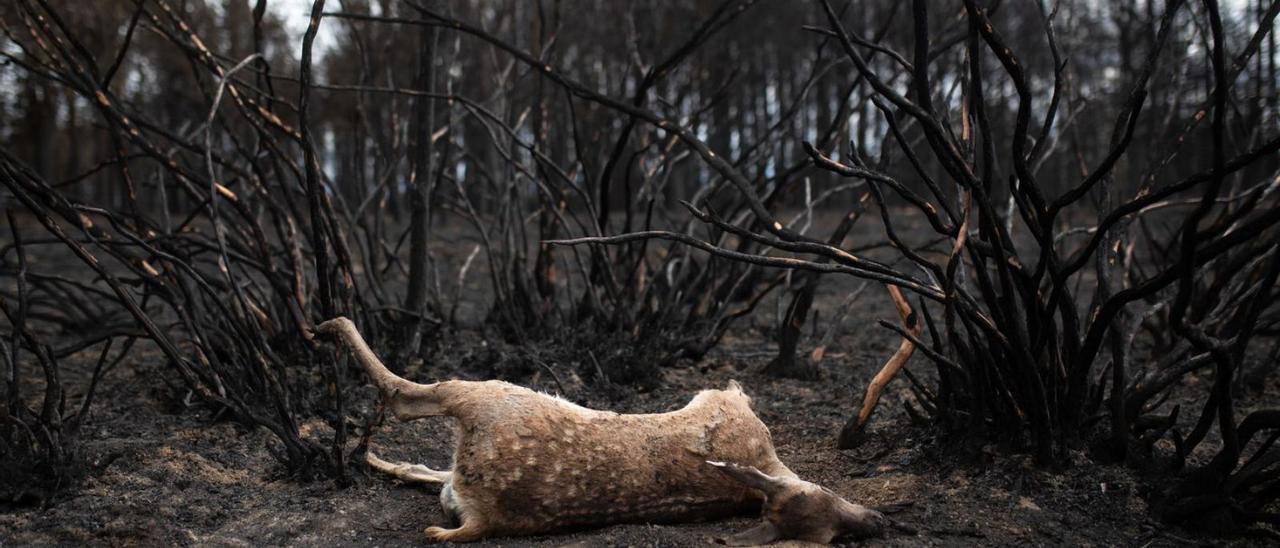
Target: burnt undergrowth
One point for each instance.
(1077, 226)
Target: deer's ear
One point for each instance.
(750, 476)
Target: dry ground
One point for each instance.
(166, 474)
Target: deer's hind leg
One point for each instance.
(470, 530)
(408, 400)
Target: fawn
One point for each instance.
(528, 463)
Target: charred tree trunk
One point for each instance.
(421, 169)
(785, 363)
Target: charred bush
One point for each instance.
(1072, 223)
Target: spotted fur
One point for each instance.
(528, 463)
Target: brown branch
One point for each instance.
(851, 433)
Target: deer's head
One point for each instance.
(800, 510)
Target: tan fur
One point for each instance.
(528, 463)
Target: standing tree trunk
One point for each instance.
(421, 163)
(785, 364)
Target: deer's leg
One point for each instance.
(408, 400)
(470, 530)
(404, 471)
(417, 401)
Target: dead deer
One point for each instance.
(529, 463)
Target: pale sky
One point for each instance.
(296, 14)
